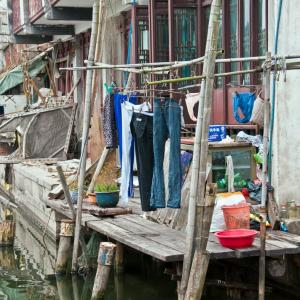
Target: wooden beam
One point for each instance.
(49, 29)
(69, 14)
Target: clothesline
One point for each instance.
(164, 66)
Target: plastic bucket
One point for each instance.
(237, 216)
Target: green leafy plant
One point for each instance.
(73, 186)
(106, 188)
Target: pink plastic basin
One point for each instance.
(236, 238)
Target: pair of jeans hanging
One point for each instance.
(142, 131)
(243, 102)
(118, 100)
(127, 110)
(166, 124)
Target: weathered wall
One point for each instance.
(286, 137)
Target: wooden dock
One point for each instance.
(167, 244)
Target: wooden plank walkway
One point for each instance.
(166, 244)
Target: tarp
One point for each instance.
(14, 77)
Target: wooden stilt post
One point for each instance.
(201, 256)
(119, 260)
(200, 145)
(63, 254)
(7, 232)
(76, 293)
(71, 206)
(105, 260)
(262, 259)
(64, 289)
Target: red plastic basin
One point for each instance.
(236, 238)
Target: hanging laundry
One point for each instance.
(142, 131)
(127, 110)
(118, 99)
(244, 102)
(166, 124)
(109, 122)
(191, 100)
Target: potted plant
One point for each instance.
(73, 188)
(91, 197)
(107, 195)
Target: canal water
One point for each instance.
(26, 273)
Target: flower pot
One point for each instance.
(74, 196)
(92, 198)
(107, 199)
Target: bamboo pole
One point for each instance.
(96, 132)
(201, 257)
(175, 80)
(208, 69)
(262, 258)
(85, 131)
(98, 169)
(178, 64)
(71, 206)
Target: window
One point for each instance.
(142, 41)
(162, 38)
(185, 36)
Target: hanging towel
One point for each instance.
(244, 102)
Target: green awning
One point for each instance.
(14, 77)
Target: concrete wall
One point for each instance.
(30, 188)
(286, 136)
(13, 103)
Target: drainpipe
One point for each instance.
(275, 50)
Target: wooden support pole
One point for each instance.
(66, 234)
(119, 260)
(262, 261)
(105, 260)
(262, 258)
(98, 169)
(201, 256)
(205, 95)
(71, 206)
(85, 130)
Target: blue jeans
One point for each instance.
(166, 124)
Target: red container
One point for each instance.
(237, 216)
(236, 238)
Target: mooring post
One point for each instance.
(119, 260)
(66, 234)
(105, 260)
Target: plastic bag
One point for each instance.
(218, 222)
(255, 140)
